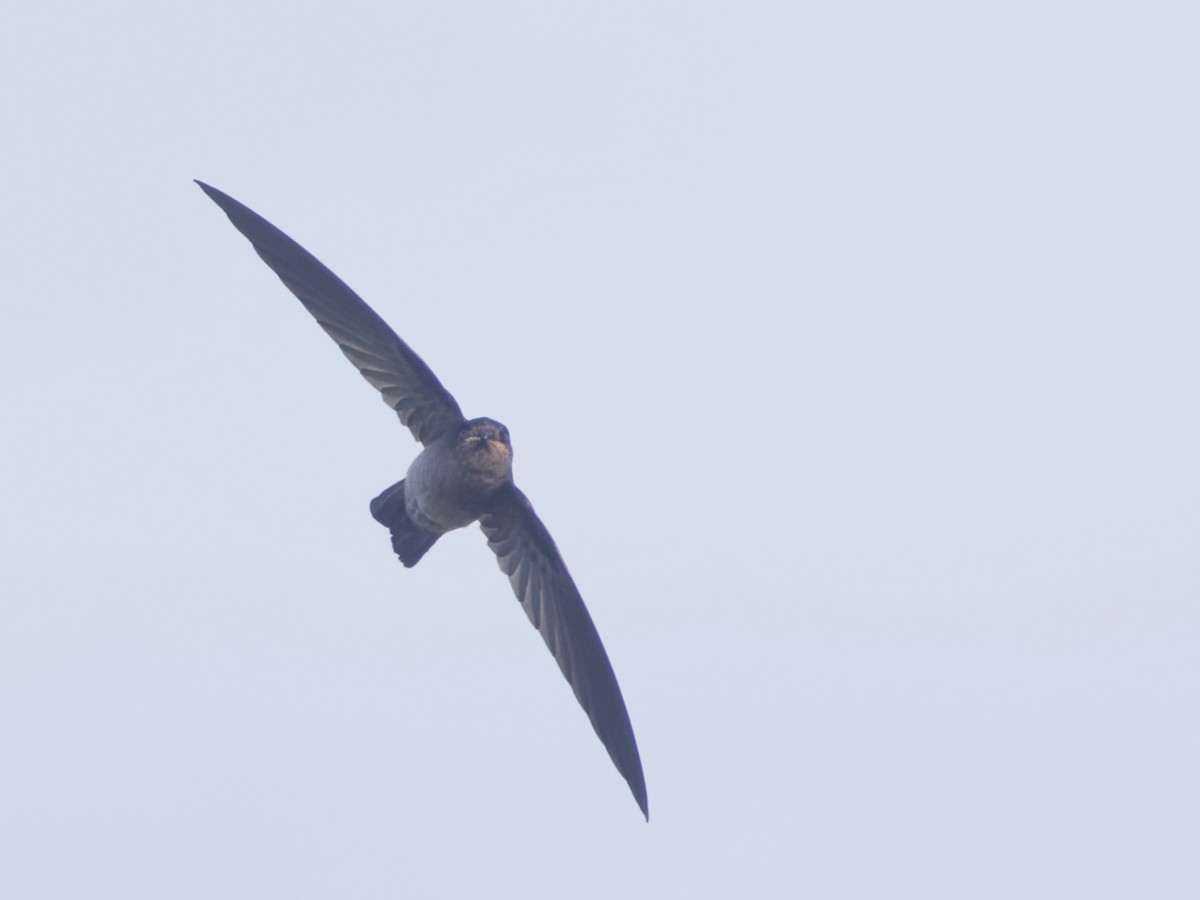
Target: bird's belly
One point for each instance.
(435, 496)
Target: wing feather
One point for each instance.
(408, 385)
(539, 577)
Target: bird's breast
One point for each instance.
(441, 494)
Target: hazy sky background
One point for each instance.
(850, 351)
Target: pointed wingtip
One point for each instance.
(212, 192)
(242, 216)
(640, 797)
(218, 197)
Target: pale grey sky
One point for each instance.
(850, 353)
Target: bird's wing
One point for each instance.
(407, 384)
(540, 580)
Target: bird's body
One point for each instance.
(450, 484)
(463, 475)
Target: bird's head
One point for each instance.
(485, 440)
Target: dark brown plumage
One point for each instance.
(463, 475)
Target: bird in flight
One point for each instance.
(463, 475)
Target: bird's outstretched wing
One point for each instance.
(407, 384)
(540, 580)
